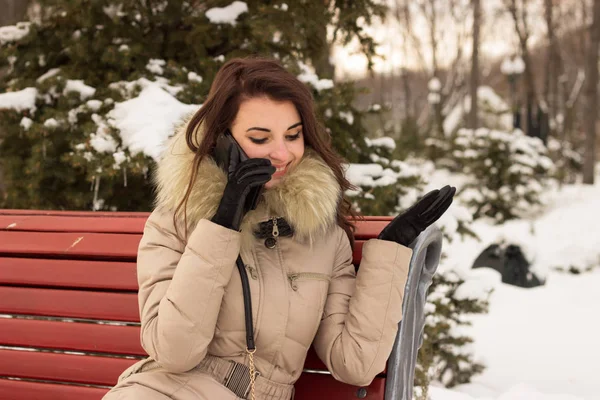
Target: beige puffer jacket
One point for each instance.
(304, 290)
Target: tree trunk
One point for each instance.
(408, 104)
(437, 109)
(13, 11)
(433, 37)
(321, 53)
(323, 67)
(473, 121)
(553, 63)
(522, 30)
(530, 92)
(591, 97)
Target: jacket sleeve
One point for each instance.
(362, 312)
(181, 287)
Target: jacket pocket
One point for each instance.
(310, 287)
(300, 276)
(307, 301)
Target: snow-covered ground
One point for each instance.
(540, 343)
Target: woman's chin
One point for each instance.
(273, 183)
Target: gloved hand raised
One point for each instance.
(241, 178)
(405, 228)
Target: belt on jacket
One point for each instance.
(236, 377)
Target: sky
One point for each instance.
(498, 38)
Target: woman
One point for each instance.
(294, 247)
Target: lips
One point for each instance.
(280, 171)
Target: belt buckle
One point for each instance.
(238, 379)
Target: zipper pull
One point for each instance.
(252, 271)
(293, 282)
(275, 232)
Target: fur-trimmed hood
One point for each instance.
(307, 196)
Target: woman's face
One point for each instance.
(270, 129)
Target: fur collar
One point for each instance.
(307, 197)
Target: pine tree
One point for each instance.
(443, 357)
(386, 185)
(506, 173)
(84, 59)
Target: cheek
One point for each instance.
(297, 150)
(254, 151)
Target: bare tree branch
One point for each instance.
(474, 84)
(591, 97)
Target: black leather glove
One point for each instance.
(405, 228)
(241, 178)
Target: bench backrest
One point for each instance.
(69, 322)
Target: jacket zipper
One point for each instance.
(293, 278)
(275, 232)
(252, 272)
(255, 275)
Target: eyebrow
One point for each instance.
(256, 128)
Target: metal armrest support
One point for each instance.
(427, 249)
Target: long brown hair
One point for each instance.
(243, 78)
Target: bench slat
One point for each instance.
(83, 369)
(105, 371)
(318, 386)
(24, 390)
(108, 275)
(84, 245)
(70, 244)
(99, 214)
(69, 303)
(370, 228)
(69, 273)
(123, 222)
(87, 337)
(72, 336)
(62, 367)
(50, 223)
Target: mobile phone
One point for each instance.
(221, 155)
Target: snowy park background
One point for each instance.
(537, 343)
(413, 131)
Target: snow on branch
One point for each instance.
(308, 76)
(146, 121)
(227, 15)
(385, 141)
(19, 101)
(78, 86)
(13, 33)
(370, 175)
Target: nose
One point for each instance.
(280, 152)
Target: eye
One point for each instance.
(258, 141)
(291, 138)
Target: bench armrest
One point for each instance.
(427, 249)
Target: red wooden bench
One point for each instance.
(69, 322)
